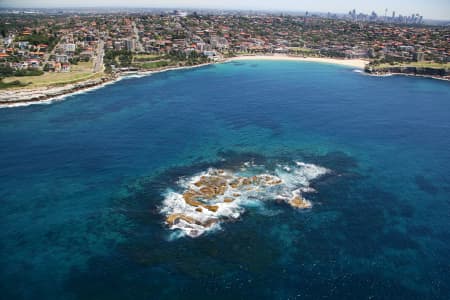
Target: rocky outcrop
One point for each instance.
(298, 202)
(217, 187)
(418, 71)
(175, 218)
(207, 199)
(172, 219)
(8, 97)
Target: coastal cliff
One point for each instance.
(443, 73)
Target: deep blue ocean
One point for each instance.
(82, 181)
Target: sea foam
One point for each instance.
(200, 203)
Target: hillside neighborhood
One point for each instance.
(90, 44)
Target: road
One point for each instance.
(139, 47)
(48, 55)
(98, 59)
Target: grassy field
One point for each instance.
(153, 64)
(146, 57)
(80, 72)
(11, 84)
(302, 50)
(424, 64)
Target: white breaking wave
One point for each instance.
(59, 98)
(205, 200)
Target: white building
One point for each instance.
(61, 58)
(131, 44)
(69, 47)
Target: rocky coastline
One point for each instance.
(435, 73)
(26, 96)
(23, 97)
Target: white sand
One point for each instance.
(58, 93)
(355, 63)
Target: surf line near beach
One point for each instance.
(48, 95)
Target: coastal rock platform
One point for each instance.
(205, 200)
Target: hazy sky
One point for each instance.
(435, 9)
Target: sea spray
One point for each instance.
(200, 203)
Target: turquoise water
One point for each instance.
(83, 181)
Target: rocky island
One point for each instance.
(207, 199)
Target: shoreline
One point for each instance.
(409, 75)
(47, 95)
(20, 97)
(355, 63)
(389, 74)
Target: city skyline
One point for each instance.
(433, 9)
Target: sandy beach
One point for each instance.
(355, 63)
(24, 97)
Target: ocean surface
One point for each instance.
(86, 184)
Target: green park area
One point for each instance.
(80, 72)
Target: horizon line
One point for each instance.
(194, 8)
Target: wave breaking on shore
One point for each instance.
(200, 203)
(29, 97)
